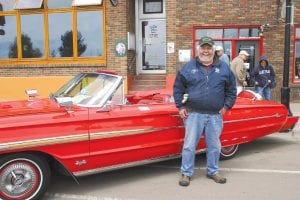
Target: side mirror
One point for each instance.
(32, 93)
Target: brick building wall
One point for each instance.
(171, 18)
(50, 76)
(235, 12)
(116, 28)
(295, 88)
(131, 58)
(181, 16)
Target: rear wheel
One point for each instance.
(23, 176)
(228, 152)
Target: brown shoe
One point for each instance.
(184, 180)
(217, 178)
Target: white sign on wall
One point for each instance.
(171, 47)
(184, 55)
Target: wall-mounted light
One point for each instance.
(114, 2)
(262, 28)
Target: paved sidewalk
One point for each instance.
(295, 108)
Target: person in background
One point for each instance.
(204, 89)
(239, 70)
(264, 77)
(222, 56)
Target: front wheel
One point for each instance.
(228, 152)
(23, 176)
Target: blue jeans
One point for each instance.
(196, 124)
(264, 92)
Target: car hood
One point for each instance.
(11, 108)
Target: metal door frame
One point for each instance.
(139, 43)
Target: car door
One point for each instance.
(131, 134)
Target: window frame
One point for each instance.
(145, 2)
(296, 39)
(47, 60)
(222, 39)
(30, 7)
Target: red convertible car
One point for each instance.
(90, 126)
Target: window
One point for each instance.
(297, 56)
(298, 32)
(44, 31)
(225, 37)
(28, 4)
(230, 33)
(86, 2)
(153, 6)
(214, 33)
(6, 5)
(226, 46)
(60, 36)
(249, 32)
(8, 41)
(88, 36)
(32, 37)
(59, 4)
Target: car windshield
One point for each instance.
(89, 89)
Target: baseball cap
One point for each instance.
(219, 48)
(243, 52)
(206, 40)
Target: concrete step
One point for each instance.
(150, 77)
(144, 82)
(146, 87)
(149, 82)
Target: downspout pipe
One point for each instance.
(285, 90)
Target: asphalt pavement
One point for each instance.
(265, 169)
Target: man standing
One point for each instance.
(222, 56)
(263, 76)
(239, 70)
(204, 90)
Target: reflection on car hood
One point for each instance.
(12, 108)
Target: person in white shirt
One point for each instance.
(222, 56)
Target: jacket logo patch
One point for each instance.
(193, 71)
(217, 70)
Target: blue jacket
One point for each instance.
(208, 91)
(261, 74)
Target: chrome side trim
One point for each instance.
(277, 115)
(126, 165)
(77, 138)
(131, 164)
(111, 134)
(43, 142)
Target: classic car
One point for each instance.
(90, 125)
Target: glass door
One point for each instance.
(252, 47)
(153, 46)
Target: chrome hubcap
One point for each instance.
(228, 149)
(17, 179)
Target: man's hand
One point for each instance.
(222, 111)
(245, 83)
(183, 113)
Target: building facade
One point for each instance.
(43, 43)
